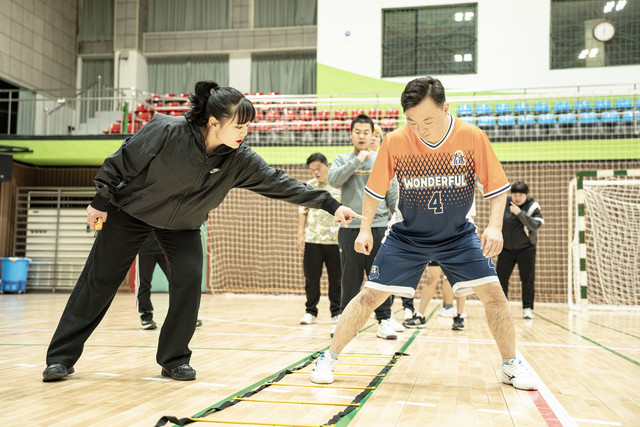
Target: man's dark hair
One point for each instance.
(520, 187)
(362, 118)
(424, 87)
(317, 157)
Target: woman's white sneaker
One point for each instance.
(308, 319)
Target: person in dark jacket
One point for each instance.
(522, 218)
(164, 180)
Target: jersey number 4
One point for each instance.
(436, 203)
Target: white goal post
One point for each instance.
(604, 240)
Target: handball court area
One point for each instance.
(588, 365)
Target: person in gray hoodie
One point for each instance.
(350, 173)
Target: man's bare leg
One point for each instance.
(499, 317)
(429, 290)
(355, 315)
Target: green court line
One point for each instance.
(600, 324)
(628, 359)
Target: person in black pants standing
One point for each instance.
(522, 218)
(150, 254)
(164, 180)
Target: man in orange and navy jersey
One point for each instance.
(436, 159)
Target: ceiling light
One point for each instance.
(621, 4)
(609, 6)
(593, 52)
(583, 54)
(458, 16)
(457, 57)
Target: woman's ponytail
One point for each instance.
(198, 100)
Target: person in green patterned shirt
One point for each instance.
(318, 240)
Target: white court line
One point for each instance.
(607, 423)
(496, 411)
(156, 379)
(561, 414)
(25, 365)
(429, 405)
(108, 374)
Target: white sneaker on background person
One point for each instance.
(408, 314)
(308, 319)
(527, 313)
(386, 331)
(447, 312)
(395, 325)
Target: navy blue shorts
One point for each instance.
(398, 266)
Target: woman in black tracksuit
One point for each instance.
(164, 180)
(522, 218)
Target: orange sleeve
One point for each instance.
(382, 173)
(488, 168)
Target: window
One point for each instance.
(573, 44)
(429, 40)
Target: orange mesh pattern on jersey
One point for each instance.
(435, 164)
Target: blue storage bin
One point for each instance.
(14, 274)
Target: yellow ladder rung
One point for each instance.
(372, 357)
(259, 423)
(322, 386)
(297, 402)
(365, 364)
(347, 375)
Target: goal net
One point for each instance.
(605, 240)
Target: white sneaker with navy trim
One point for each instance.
(386, 331)
(516, 374)
(323, 369)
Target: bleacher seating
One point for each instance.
(483, 109)
(464, 110)
(540, 107)
(521, 108)
(503, 108)
(392, 113)
(560, 107)
(622, 104)
(583, 105)
(588, 119)
(567, 120)
(600, 105)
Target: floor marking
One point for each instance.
(156, 379)
(212, 384)
(496, 411)
(545, 400)
(25, 365)
(607, 423)
(108, 374)
(428, 405)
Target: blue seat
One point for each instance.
(623, 104)
(560, 107)
(465, 110)
(602, 105)
(503, 108)
(506, 120)
(547, 119)
(567, 119)
(468, 119)
(526, 120)
(627, 116)
(610, 117)
(483, 109)
(486, 121)
(540, 107)
(583, 105)
(520, 108)
(588, 119)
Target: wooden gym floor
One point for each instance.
(588, 363)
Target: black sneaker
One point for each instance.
(458, 323)
(416, 322)
(147, 324)
(55, 372)
(183, 372)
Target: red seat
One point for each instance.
(290, 115)
(173, 104)
(154, 97)
(175, 113)
(306, 115)
(169, 95)
(392, 113)
(319, 125)
(259, 115)
(388, 124)
(184, 95)
(339, 125)
(323, 115)
(142, 107)
(355, 113)
(340, 115)
(114, 128)
(273, 115)
(143, 116)
(375, 113)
